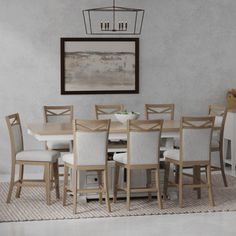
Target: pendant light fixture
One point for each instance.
(113, 20)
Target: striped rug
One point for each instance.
(32, 207)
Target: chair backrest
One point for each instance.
(90, 142)
(195, 138)
(106, 112)
(58, 114)
(159, 111)
(15, 133)
(220, 113)
(144, 141)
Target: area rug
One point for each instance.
(32, 207)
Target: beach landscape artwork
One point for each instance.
(101, 65)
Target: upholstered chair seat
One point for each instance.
(120, 157)
(58, 145)
(172, 153)
(38, 155)
(68, 158)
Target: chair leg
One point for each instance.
(166, 179)
(66, 171)
(48, 182)
(128, 188)
(11, 185)
(176, 174)
(19, 186)
(197, 179)
(148, 183)
(56, 179)
(222, 168)
(106, 189)
(116, 180)
(158, 186)
(51, 176)
(210, 194)
(100, 185)
(181, 186)
(74, 188)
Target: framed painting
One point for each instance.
(99, 65)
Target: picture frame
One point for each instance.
(99, 65)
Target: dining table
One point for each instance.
(64, 131)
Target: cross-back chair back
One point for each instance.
(15, 133)
(59, 114)
(144, 141)
(195, 138)
(220, 113)
(90, 142)
(104, 112)
(159, 111)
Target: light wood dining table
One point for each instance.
(63, 131)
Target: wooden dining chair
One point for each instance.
(108, 112)
(143, 153)
(22, 158)
(195, 151)
(58, 114)
(87, 134)
(217, 161)
(159, 111)
(104, 112)
(165, 112)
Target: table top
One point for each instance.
(66, 128)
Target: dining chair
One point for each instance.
(159, 111)
(58, 114)
(194, 152)
(89, 154)
(117, 143)
(22, 158)
(217, 157)
(104, 112)
(142, 153)
(165, 112)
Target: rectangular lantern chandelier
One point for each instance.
(113, 20)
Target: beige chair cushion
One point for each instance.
(68, 158)
(172, 154)
(143, 148)
(120, 157)
(218, 121)
(91, 148)
(58, 145)
(215, 143)
(38, 155)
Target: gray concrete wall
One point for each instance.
(187, 57)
